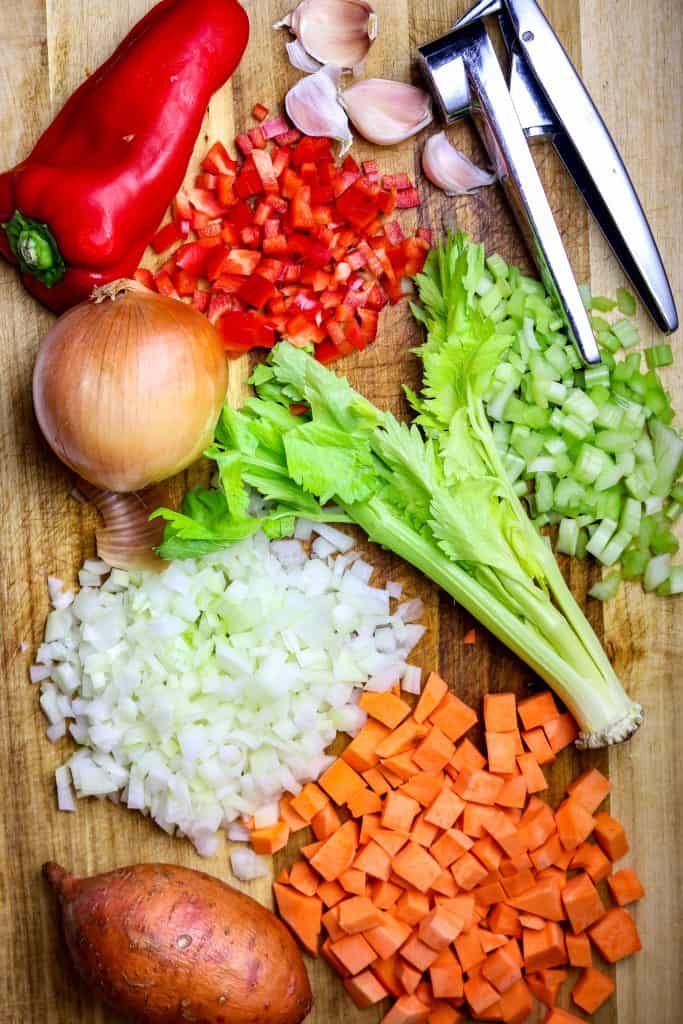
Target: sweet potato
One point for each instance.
(161, 943)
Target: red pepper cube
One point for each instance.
(218, 160)
(166, 237)
(259, 112)
(256, 291)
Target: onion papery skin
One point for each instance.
(128, 387)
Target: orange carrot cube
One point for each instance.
(357, 914)
(579, 950)
(388, 937)
(303, 878)
(615, 935)
(385, 708)
(340, 781)
(501, 748)
(480, 994)
(399, 811)
(590, 789)
(365, 989)
(445, 810)
(502, 968)
(574, 823)
(468, 948)
(453, 717)
(537, 710)
(353, 882)
(434, 752)
(364, 802)
(582, 902)
(445, 975)
(480, 787)
(406, 1010)
(561, 731)
(331, 893)
(418, 953)
(625, 887)
(408, 976)
(354, 953)
(439, 928)
(468, 872)
(611, 836)
(361, 753)
(325, 822)
(500, 712)
(424, 787)
(533, 776)
(592, 990)
(416, 866)
(374, 861)
(434, 690)
(590, 857)
(537, 742)
(545, 948)
(467, 756)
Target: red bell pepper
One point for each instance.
(80, 210)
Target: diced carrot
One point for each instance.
(331, 893)
(611, 836)
(501, 748)
(407, 1010)
(468, 872)
(385, 708)
(592, 990)
(408, 976)
(533, 775)
(537, 742)
(547, 853)
(302, 913)
(574, 823)
(480, 787)
(470, 638)
(544, 948)
(442, 1012)
(282, 876)
(590, 857)
(412, 907)
(516, 1004)
(453, 717)
(384, 895)
(402, 765)
(615, 935)
(325, 822)
(365, 989)
(357, 914)
(439, 928)
(579, 950)
(545, 985)
(582, 902)
(502, 968)
(542, 899)
(361, 753)
(433, 692)
(480, 994)
(399, 811)
(558, 1016)
(309, 801)
(477, 818)
(467, 756)
(364, 802)
(500, 712)
(391, 841)
(388, 937)
(491, 941)
(445, 809)
(519, 883)
(418, 953)
(423, 832)
(337, 853)
(303, 878)
(333, 961)
(532, 921)
(416, 866)
(434, 752)
(561, 731)
(310, 850)
(488, 893)
(354, 952)
(424, 787)
(375, 861)
(353, 882)
(444, 884)
(625, 887)
(369, 827)
(385, 971)
(504, 920)
(340, 781)
(537, 710)
(400, 740)
(330, 920)
(487, 851)
(554, 877)
(590, 789)
(288, 814)
(376, 781)
(445, 975)
(513, 792)
(271, 839)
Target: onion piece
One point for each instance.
(312, 104)
(247, 865)
(337, 32)
(128, 538)
(387, 112)
(450, 170)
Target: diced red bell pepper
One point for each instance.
(257, 138)
(205, 202)
(271, 269)
(327, 351)
(241, 215)
(251, 236)
(229, 234)
(181, 209)
(242, 332)
(241, 261)
(288, 138)
(228, 283)
(244, 144)
(218, 160)
(206, 181)
(369, 321)
(275, 246)
(302, 332)
(193, 258)
(200, 301)
(185, 284)
(214, 262)
(259, 112)
(166, 237)
(290, 183)
(281, 160)
(164, 285)
(272, 227)
(265, 170)
(146, 278)
(357, 206)
(407, 198)
(225, 190)
(248, 184)
(212, 230)
(256, 291)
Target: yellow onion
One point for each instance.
(128, 387)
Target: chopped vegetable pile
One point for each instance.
(201, 694)
(439, 498)
(596, 444)
(450, 886)
(288, 244)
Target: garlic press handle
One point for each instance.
(466, 77)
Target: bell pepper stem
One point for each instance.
(35, 248)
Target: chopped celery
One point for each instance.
(659, 355)
(633, 564)
(626, 333)
(613, 551)
(601, 537)
(589, 464)
(673, 584)
(606, 589)
(630, 516)
(626, 302)
(567, 536)
(656, 572)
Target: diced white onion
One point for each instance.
(412, 679)
(395, 590)
(411, 610)
(65, 796)
(247, 865)
(56, 732)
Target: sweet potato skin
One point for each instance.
(167, 944)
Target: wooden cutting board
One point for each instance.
(631, 53)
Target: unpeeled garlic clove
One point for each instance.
(312, 104)
(336, 32)
(386, 112)
(450, 170)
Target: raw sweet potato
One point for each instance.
(161, 943)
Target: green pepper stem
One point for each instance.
(35, 248)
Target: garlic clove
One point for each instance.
(333, 31)
(386, 112)
(312, 104)
(301, 60)
(450, 170)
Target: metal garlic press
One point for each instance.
(542, 96)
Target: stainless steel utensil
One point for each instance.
(542, 96)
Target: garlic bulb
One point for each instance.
(312, 104)
(450, 170)
(386, 112)
(333, 31)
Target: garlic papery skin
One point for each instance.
(386, 112)
(336, 32)
(312, 104)
(450, 170)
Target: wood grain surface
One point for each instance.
(631, 52)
